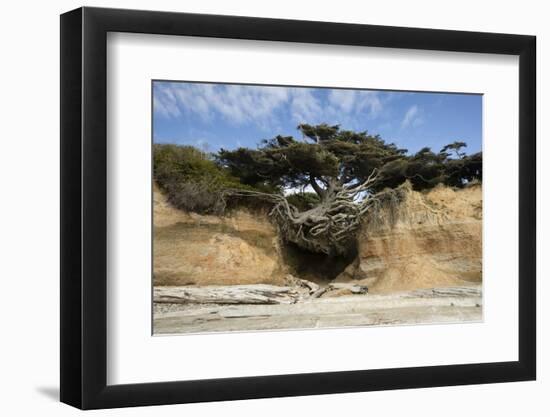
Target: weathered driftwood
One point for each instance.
(230, 294)
(249, 294)
(352, 288)
(315, 291)
(293, 281)
(470, 291)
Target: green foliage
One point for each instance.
(463, 170)
(192, 180)
(183, 163)
(325, 152)
(456, 147)
(425, 169)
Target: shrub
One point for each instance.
(194, 182)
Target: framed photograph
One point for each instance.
(259, 208)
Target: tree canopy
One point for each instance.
(328, 156)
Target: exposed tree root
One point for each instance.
(330, 227)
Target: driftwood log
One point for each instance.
(249, 294)
(229, 294)
(352, 289)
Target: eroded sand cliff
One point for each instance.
(193, 249)
(432, 239)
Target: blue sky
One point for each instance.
(212, 116)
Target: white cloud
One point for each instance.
(304, 106)
(165, 103)
(370, 100)
(263, 105)
(355, 101)
(235, 103)
(350, 108)
(342, 99)
(412, 117)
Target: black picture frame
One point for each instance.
(84, 207)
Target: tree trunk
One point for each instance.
(318, 190)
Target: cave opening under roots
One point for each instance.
(317, 267)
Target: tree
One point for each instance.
(343, 168)
(326, 160)
(456, 147)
